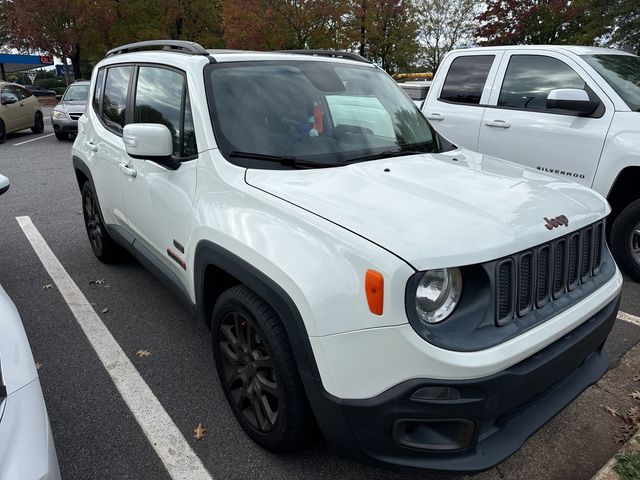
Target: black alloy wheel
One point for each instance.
(3, 132)
(103, 246)
(249, 372)
(38, 124)
(258, 372)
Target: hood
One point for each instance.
(439, 210)
(74, 106)
(16, 360)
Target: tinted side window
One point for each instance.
(160, 93)
(529, 79)
(466, 78)
(98, 90)
(7, 93)
(114, 101)
(21, 93)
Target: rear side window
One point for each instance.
(114, 100)
(466, 78)
(161, 98)
(529, 79)
(98, 90)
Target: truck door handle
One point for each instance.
(91, 146)
(498, 124)
(438, 117)
(127, 170)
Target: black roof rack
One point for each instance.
(180, 46)
(328, 53)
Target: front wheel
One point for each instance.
(62, 136)
(3, 132)
(258, 373)
(625, 240)
(38, 123)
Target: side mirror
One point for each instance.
(4, 184)
(8, 101)
(572, 99)
(149, 141)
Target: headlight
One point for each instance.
(58, 114)
(438, 294)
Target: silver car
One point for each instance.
(65, 115)
(26, 444)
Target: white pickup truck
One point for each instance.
(569, 111)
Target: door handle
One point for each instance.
(127, 170)
(91, 146)
(498, 124)
(438, 117)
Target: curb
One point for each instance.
(607, 472)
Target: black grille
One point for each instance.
(547, 272)
(75, 116)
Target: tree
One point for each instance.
(506, 22)
(384, 31)
(282, 24)
(445, 25)
(62, 28)
(627, 24)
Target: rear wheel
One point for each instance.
(3, 132)
(103, 246)
(38, 123)
(258, 373)
(625, 240)
(62, 136)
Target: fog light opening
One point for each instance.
(436, 393)
(434, 434)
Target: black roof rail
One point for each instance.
(328, 53)
(180, 46)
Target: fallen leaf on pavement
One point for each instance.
(199, 432)
(99, 281)
(105, 310)
(39, 365)
(612, 411)
(47, 286)
(143, 353)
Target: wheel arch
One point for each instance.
(623, 191)
(217, 269)
(82, 172)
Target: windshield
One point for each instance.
(622, 72)
(76, 93)
(313, 112)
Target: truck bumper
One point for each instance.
(466, 425)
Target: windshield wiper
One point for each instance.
(281, 159)
(385, 154)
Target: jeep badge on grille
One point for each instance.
(556, 222)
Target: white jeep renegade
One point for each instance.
(429, 306)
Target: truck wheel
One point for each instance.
(258, 373)
(103, 246)
(625, 240)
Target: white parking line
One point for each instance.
(180, 460)
(629, 318)
(32, 140)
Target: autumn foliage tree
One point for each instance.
(506, 22)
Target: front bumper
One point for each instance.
(490, 420)
(64, 125)
(27, 451)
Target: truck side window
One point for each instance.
(114, 99)
(529, 79)
(466, 78)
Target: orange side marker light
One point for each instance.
(374, 288)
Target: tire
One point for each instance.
(3, 132)
(103, 246)
(625, 240)
(62, 136)
(257, 370)
(38, 123)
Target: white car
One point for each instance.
(431, 307)
(27, 451)
(569, 111)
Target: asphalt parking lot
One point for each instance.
(96, 434)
